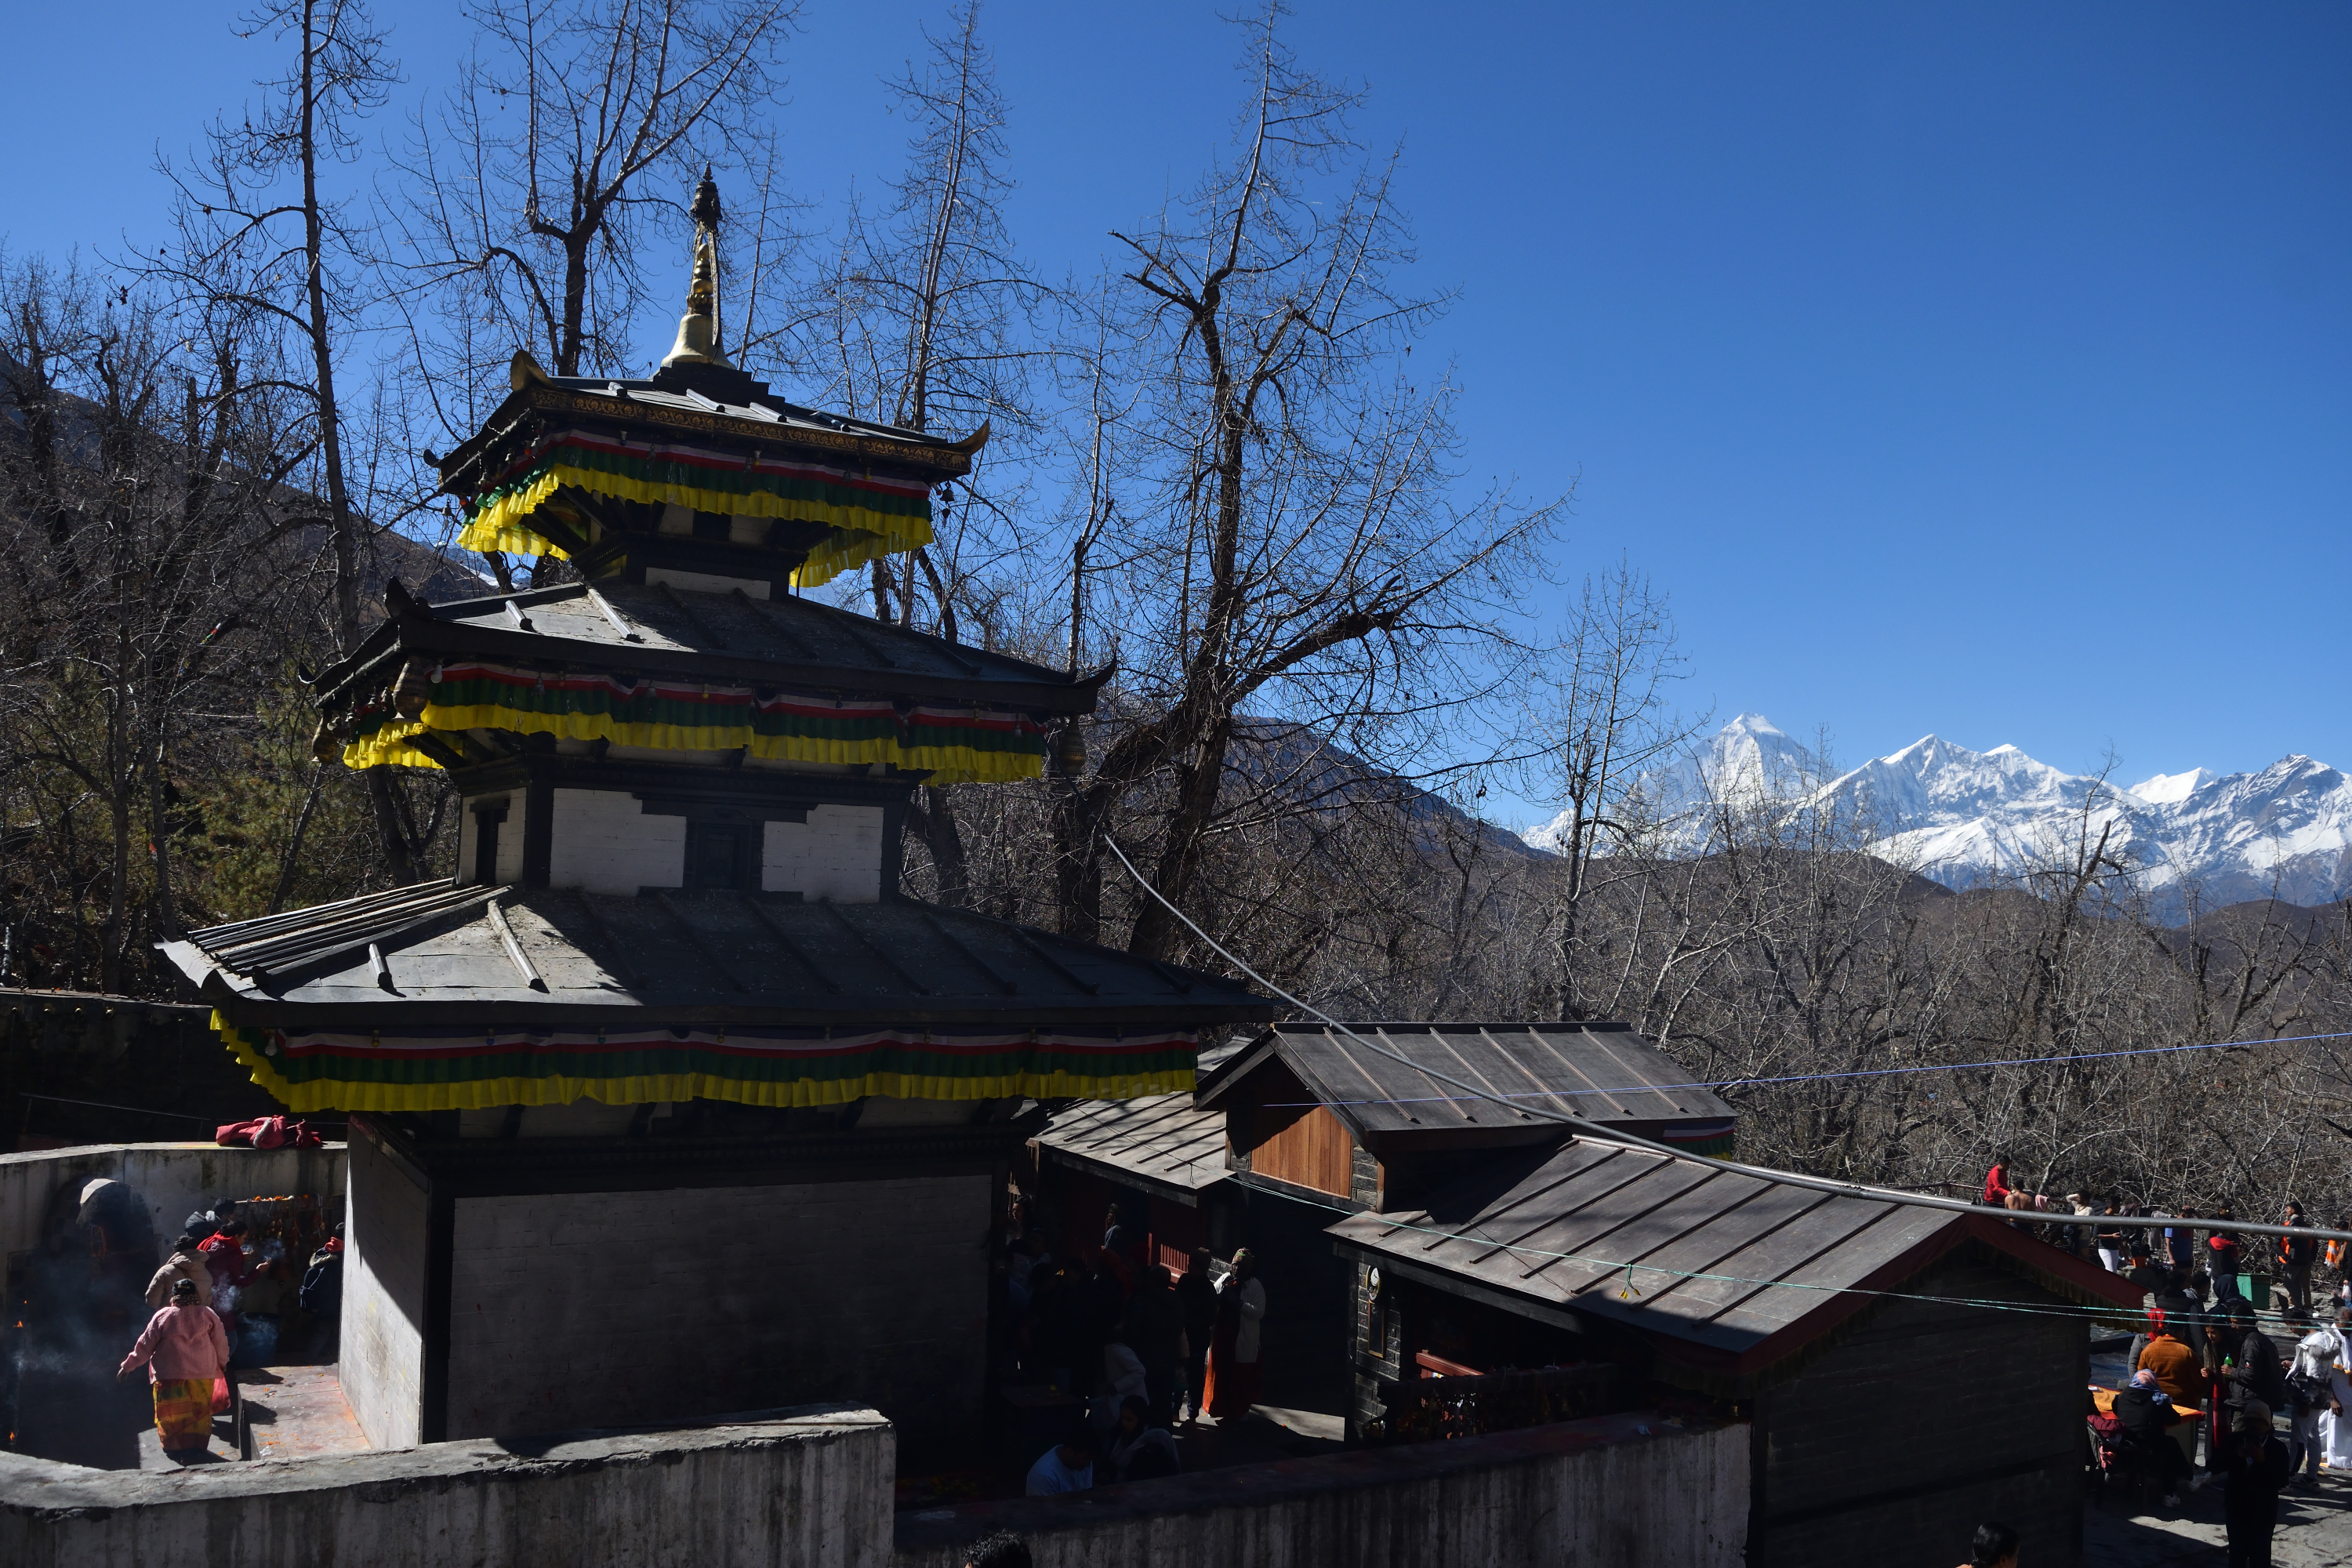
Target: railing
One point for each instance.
(1423, 1409)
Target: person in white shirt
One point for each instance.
(1064, 1468)
(1237, 1376)
(2335, 1412)
(2308, 1378)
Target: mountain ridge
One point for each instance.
(1966, 818)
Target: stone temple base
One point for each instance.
(543, 1284)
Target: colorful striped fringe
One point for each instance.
(955, 745)
(775, 1065)
(869, 515)
(1713, 1139)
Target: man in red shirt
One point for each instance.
(1996, 1187)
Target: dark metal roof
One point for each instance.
(658, 630)
(686, 955)
(737, 396)
(1163, 1144)
(1602, 1072)
(715, 402)
(1736, 1271)
(298, 938)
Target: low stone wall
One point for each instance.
(170, 1179)
(808, 1488)
(1628, 1491)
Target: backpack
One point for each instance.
(2309, 1392)
(322, 1286)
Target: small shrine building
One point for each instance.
(669, 1103)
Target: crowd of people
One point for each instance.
(2206, 1371)
(219, 1300)
(1146, 1350)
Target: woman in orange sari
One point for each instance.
(183, 1348)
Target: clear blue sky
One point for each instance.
(1979, 370)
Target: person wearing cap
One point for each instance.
(1236, 1376)
(184, 1349)
(186, 1263)
(2257, 1469)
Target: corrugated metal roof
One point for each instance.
(707, 953)
(1599, 1072)
(1741, 1269)
(1161, 1143)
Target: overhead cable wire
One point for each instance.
(1602, 1133)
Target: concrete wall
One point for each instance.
(383, 1346)
(835, 855)
(510, 833)
(569, 1309)
(602, 841)
(173, 1179)
(1623, 1491)
(807, 1489)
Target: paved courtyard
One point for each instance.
(2315, 1531)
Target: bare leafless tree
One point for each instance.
(1293, 538)
(1605, 720)
(149, 542)
(925, 317)
(525, 202)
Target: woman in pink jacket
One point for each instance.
(185, 1348)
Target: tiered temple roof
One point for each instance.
(683, 789)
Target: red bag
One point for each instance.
(267, 1132)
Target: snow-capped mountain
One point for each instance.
(1747, 760)
(1964, 816)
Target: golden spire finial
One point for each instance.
(697, 331)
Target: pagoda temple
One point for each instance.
(669, 1103)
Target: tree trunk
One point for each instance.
(331, 434)
(945, 839)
